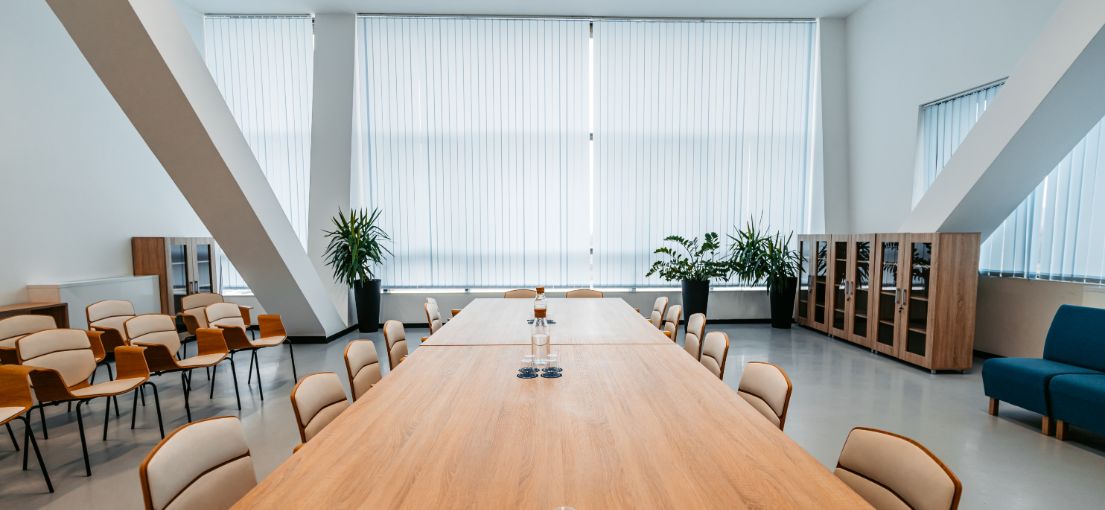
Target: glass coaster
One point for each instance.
(526, 374)
(549, 374)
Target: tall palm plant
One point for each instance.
(356, 246)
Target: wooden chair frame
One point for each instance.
(583, 293)
(143, 469)
(724, 354)
(958, 492)
(349, 370)
(786, 400)
(299, 423)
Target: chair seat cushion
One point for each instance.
(7, 413)
(1023, 382)
(202, 361)
(1079, 400)
(116, 387)
(268, 341)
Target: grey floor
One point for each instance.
(1004, 462)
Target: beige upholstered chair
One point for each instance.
(520, 293)
(228, 317)
(395, 336)
(317, 400)
(696, 328)
(158, 334)
(583, 293)
(204, 465)
(433, 315)
(63, 361)
(108, 317)
(193, 305)
(14, 328)
(715, 348)
(15, 401)
(361, 366)
(767, 388)
(671, 321)
(659, 307)
(895, 472)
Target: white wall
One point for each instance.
(904, 53)
(76, 180)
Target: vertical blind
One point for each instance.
(1055, 233)
(472, 138)
(699, 126)
(263, 65)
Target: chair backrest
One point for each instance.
(433, 315)
(224, 314)
(200, 300)
(671, 321)
(362, 366)
(692, 340)
(1075, 338)
(154, 329)
(18, 326)
(715, 348)
(194, 319)
(767, 388)
(583, 293)
(109, 314)
(68, 351)
(893, 471)
(658, 308)
(205, 464)
(520, 293)
(317, 399)
(15, 388)
(395, 336)
(271, 326)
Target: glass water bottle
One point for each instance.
(539, 339)
(539, 303)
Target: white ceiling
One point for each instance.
(616, 8)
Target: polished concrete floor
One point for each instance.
(1004, 462)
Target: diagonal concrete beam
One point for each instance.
(143, 54)
(1051, 100)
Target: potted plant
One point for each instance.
(693, 264)
(758, 257)
(354, 251)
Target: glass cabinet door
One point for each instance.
(205, 268)
(804, 280)
(840, 284)
(820, 279)
(887, 312)
(917, 297)
(179, 273)
(861, 286)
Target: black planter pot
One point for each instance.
(781, 295)
(695, 296)
(367, 296)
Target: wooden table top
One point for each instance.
(499, 321)
(627, 426)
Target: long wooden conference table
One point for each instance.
(634, 422)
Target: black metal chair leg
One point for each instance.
(184, 386)
(26, 432)
(208, 370)
(84, 443)
(257, 363)
(157, 404)
(107, 414)
(38, 454)
(234, 375)
(211, 377)
(42, 420)
(115, 399)
(291, 351)
(11, 433)
(142, 392)
(134, 407)
(110, 372)
(252, 356)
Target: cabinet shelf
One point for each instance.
(919, 298)
(916, 329)
(888, 323)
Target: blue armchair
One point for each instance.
(1074, 347)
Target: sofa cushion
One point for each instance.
(1023, 382)
(1079, 400)
(1075, 337)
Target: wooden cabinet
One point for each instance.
(185, 265)
(910, 296)
(813, 282)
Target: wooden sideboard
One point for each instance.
(910, 296)
(59, 311)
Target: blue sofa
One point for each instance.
(1074, 351)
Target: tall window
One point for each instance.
(699, 126)
(1055, 233)
(944, 125)
(263, 67)
(506, 152)
(472, 139)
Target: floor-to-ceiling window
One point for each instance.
(510, 152)
(263, 67)
(1056, 232)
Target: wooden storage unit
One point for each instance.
(813, 282)
(911, 296)
(184, 265)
